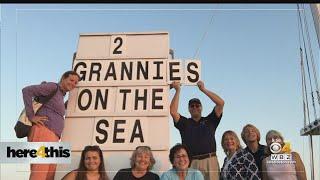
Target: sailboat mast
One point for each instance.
(315, 10)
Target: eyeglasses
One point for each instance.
(195, 106)
(181, 156)
(144, 147)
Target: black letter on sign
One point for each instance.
(102, 131)
(100, 97)
(83, 108)
(171, 64)
(139, 134)
(116, 130)
(144, 71)
(109, 73)
(158, 69)
(154, 98)
(82, 73)
(140, 98)
(124, 91)
(193, 72)
(97, 71)
(128, 72)
(116, 51)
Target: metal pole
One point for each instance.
(311, 157)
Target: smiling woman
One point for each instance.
(141, 162)
(239, 163)
(180, 159)
(91, 166)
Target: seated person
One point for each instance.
(91, 166)
(180, 159)
(141, 163)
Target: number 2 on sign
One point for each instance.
(118, 45)
(116, 50)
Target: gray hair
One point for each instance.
(141, 150)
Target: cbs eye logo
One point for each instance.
(275, 147)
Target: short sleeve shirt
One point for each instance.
(199, 136)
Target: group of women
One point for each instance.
(252, 162)
(91, 165)
(239, 163)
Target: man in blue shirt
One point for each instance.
(197, 132)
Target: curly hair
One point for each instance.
(177, 148)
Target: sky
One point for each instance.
(249, 55)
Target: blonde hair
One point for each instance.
(255, 129)
(232, 133)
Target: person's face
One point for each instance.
(273, 137)
(181, 160)
(69, 83)
(250, 135)
(230, 143)
(195, 110)
(142, 161)
(92, 161)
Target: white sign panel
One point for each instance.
(119, 101)
(187, 72)
(123, 45)
(121, 72)
(118, 45)
(192, 72)
(117, 133)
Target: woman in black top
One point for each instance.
(141, 163)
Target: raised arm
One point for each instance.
(214, 97)
(175, 102)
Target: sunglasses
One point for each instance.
(195, 106)
(143, 147)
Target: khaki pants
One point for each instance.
(209, 167)
(41, 133)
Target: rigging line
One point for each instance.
(299, 29)
(312, 58)
(305, 94)
(308, 67)
(304, 90)
(196, 54)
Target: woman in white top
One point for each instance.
(290, 169)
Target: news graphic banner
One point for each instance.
(122, 98)
(35, 152)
